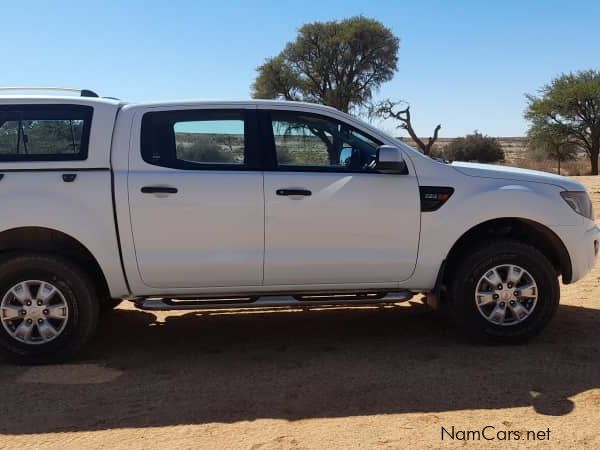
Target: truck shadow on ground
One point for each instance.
(203, 368)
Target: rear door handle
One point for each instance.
(69, 177)
(294, 192)
(159, 190)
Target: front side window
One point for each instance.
(194, 139)
(308, 141)
(44, 132)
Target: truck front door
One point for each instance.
(331, 218)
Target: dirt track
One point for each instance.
(341, 378)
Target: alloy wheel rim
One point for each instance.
(506, 295)
(34, 312)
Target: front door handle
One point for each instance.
(159, 190)
(294, 192)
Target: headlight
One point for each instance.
(580, 202)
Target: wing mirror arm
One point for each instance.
(390, 160)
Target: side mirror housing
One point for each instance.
(390, 160)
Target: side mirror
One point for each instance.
(390, 160)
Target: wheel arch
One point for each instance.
(51, 241)
(524, 230)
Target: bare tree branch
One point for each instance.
(387, 109)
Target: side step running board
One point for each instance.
(268, 301)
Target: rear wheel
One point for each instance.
(506, 291)
(48, 309)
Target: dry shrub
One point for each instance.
(578, 167)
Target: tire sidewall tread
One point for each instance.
(470, 270)
(77, 288)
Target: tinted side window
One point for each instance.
(210, 141)
(198, 139)
(44, 132)
(306, 141)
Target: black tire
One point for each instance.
(109, 304)
(481, 260)
(75, 286)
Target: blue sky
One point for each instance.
(465, 64)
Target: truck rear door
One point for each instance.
(196, 198)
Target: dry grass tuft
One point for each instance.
(574, 168)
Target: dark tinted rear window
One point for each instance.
(196, 139)
(44, 132)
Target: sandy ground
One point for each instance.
(382, 378)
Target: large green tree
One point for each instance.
(570, 104)
(546, 141)
(337, 63)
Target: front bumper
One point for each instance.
(582, 243)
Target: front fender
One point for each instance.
(476, 201)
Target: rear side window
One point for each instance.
(219, 141)
(195, 139)
(44, 132)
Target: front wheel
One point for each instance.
(506, 291)
(48, 309)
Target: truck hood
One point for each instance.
(516, 174)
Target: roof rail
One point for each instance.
(82, 92)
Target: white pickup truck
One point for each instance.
(206, 205)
